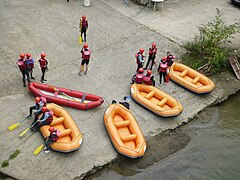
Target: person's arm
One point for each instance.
(40, 107)
(44, 117)
(140, 58)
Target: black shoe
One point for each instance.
(24, 85)
(44, 80)
(145, 68)
(29, 116)
(32, 77)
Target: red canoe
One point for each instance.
(66, 97)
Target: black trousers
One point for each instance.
(84, 31)
(39, 124)
(43, 73)
(139, 66)
(164, 74)
(24, 74)
(150, 58)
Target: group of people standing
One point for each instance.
(26, 66)
(163, 67)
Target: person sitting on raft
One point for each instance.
(138, 78)
(148, 79)
(40, 102)
(45, 119)
(53, 137)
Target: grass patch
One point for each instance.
(5, 164)
(14, 155)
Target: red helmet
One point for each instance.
(83, 17)
(28, 55)
(44, 109)
(22, 56)
(37, 99)
(153, 44)
(149, 72)
(141, 50)
(85, 45)
(43, 55)
(140, 70)
(164, 59)
(51, 129)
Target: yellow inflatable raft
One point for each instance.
(124, 131)
(70, 137)
(156, 100)
(190, 78)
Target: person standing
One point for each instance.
(30, 64)
(85, 58)
(151, 55)
(43, 64)
(162, 69)
(83, 26)
(140, 59)
(23, 68)
(170, 59)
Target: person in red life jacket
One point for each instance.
(23, 68)
(40, 103)
(148, 79)
(138, 77)
(45, 119)
(43, 64)
(140, 59)
(53, 137)
(170, 59)
(85, 58)
(30, 64)
(151, 55)
(83, 25)
(162, 69)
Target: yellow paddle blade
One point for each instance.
(23, 132)
(80, 39)
(12, 127)
(38, 150)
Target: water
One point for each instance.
(212, 153)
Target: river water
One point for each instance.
(212, 153)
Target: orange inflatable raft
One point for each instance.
(190, 78)
(156, 100)
(124, 131)
(70, 138)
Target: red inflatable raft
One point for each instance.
(66, 97)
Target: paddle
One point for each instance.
(39, 148)
(14, 126)
(27, 129)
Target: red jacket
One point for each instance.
(43, 63)
(22, 64)
(162, 67)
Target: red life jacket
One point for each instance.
(163, 67)
(136, 56)
(139, 78)
(54, 135)
(147, 80)
(50, 118)
(22, 65)
(84, 23)
(86, 54)
(43, 63)
(152, 51)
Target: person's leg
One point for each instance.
(153, 59)
(36, 115)
(31, 110)
(87, 62)
(23, 79)
(160, 77)
(27, 74)
(149, 59)
(164, 77)
(85, 35)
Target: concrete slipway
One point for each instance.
(116, 32)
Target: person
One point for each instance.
(140, 59)
(43, 64)
(162, 69)
(151, 56)
(85, 58)
(138, 77)
(170, 59)
(30, 64)
(40, 103)
(148, 79)
(53, 137)
(45, 119)
(23, 68)
(83, 26)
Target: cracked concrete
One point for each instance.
(116, 32)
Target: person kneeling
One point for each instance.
(53, 137)
(148, 79)
(45, 119)
(138, 78)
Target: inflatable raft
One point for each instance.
(66, 97)
(124, 131)
(156, 100)
(190, 79)
(70, 138)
